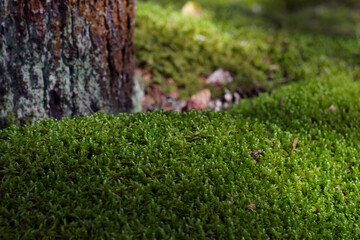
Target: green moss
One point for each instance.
(192, 175)
(200, 175)
(228, 36)
(181, 48)
(11, 119)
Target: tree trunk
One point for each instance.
(62, 58)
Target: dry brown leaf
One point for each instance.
(200, 100)
(174, 94)
(170, 81)
(332, 108)
(251, 206)
(295, 143)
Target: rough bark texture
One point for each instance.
(64, 57)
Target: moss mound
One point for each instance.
(283, 165)
(192, 175)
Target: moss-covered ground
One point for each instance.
(229, 35)
(284, 165)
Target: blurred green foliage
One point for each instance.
(296, 4)
(230, 36)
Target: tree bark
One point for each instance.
(62, 58)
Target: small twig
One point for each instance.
(87, 105)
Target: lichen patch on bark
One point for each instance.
(48, 49)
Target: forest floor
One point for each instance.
(282, 165)
(235, 50)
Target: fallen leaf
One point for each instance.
(167, 106)
(200, 100)
(295, 143)
(174, 94)
(332, 108)
(192, 9)
(255, 154)
(219, 77)
(170, 81)
(180, 107)
(251, 206)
